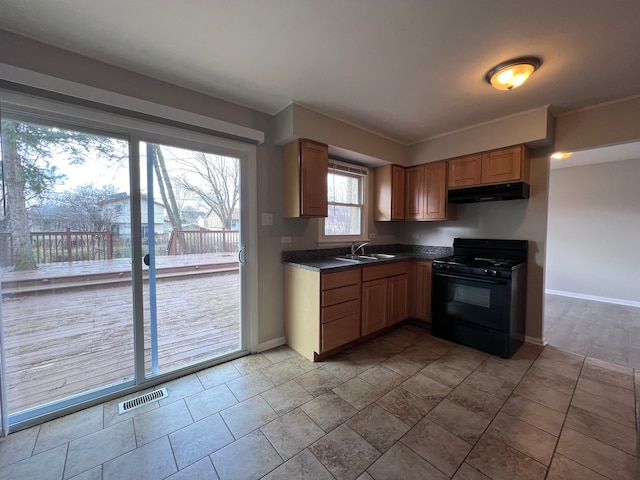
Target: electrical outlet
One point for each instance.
(372, 236)
(415, 236)
(286, 239)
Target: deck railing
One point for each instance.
(185, 242)
(67, 246)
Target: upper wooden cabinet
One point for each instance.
(306, 165)
(414, 193)
(389, 183)
(496, 166)
(426, 192)
(465, 171)
(506, 165)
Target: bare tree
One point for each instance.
(83, 204)
(154, 152)
(214, 179)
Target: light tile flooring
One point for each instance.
(402, 406)
(603, 330)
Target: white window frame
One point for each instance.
(354, 171)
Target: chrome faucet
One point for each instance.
(354, 249)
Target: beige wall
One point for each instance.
(607, 124)
(534, 128)
(594, 227)
(297, 121)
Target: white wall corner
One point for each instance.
(534, 340)
(276, 342)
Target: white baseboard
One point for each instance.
(276, 342)
(617, 301)
(534, 340)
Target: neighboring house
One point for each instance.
(192, 218)
(51, 218)
(213, 221)
(119, 208)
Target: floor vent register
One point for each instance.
(142, 400)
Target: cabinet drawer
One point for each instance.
(339, 295)
(384, 271)
(340, 310)
(340, 279)
(339, 332)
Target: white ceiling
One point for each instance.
(405, 69)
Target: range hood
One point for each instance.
(489, 193)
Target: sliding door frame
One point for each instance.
(136, 131)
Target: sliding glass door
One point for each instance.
(119, 258)
(65, 264)
(191, 241)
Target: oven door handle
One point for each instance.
(475, 279)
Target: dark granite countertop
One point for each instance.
(323, 259)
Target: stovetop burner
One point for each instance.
(479, 262)
(497, 258)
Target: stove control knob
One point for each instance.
(496, 273)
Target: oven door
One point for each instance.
(480, 301)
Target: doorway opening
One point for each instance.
(591, 299)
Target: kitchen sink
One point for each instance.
(356, 258)
(365, 258)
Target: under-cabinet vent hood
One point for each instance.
(489, 193)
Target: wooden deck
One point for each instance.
(64, 341)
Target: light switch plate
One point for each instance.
(286, 239)
(267, 219)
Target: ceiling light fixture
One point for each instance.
(561, 155)
(512, 73)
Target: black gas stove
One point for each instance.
(479, 294)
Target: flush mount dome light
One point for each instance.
(512, 73)
(561, 155)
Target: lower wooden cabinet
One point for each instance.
(374, 306)
(321, 310)
(421, 290)
(324, 311)
(398, 298)
(385, 295)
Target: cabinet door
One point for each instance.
(414, 198)
(398, 298)
(314, 167)
(374, 306)
(422, 309)
(389, 193)
(340, 332)
(503, 165)
(465, 171)
(436, 191)
(397, 192)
